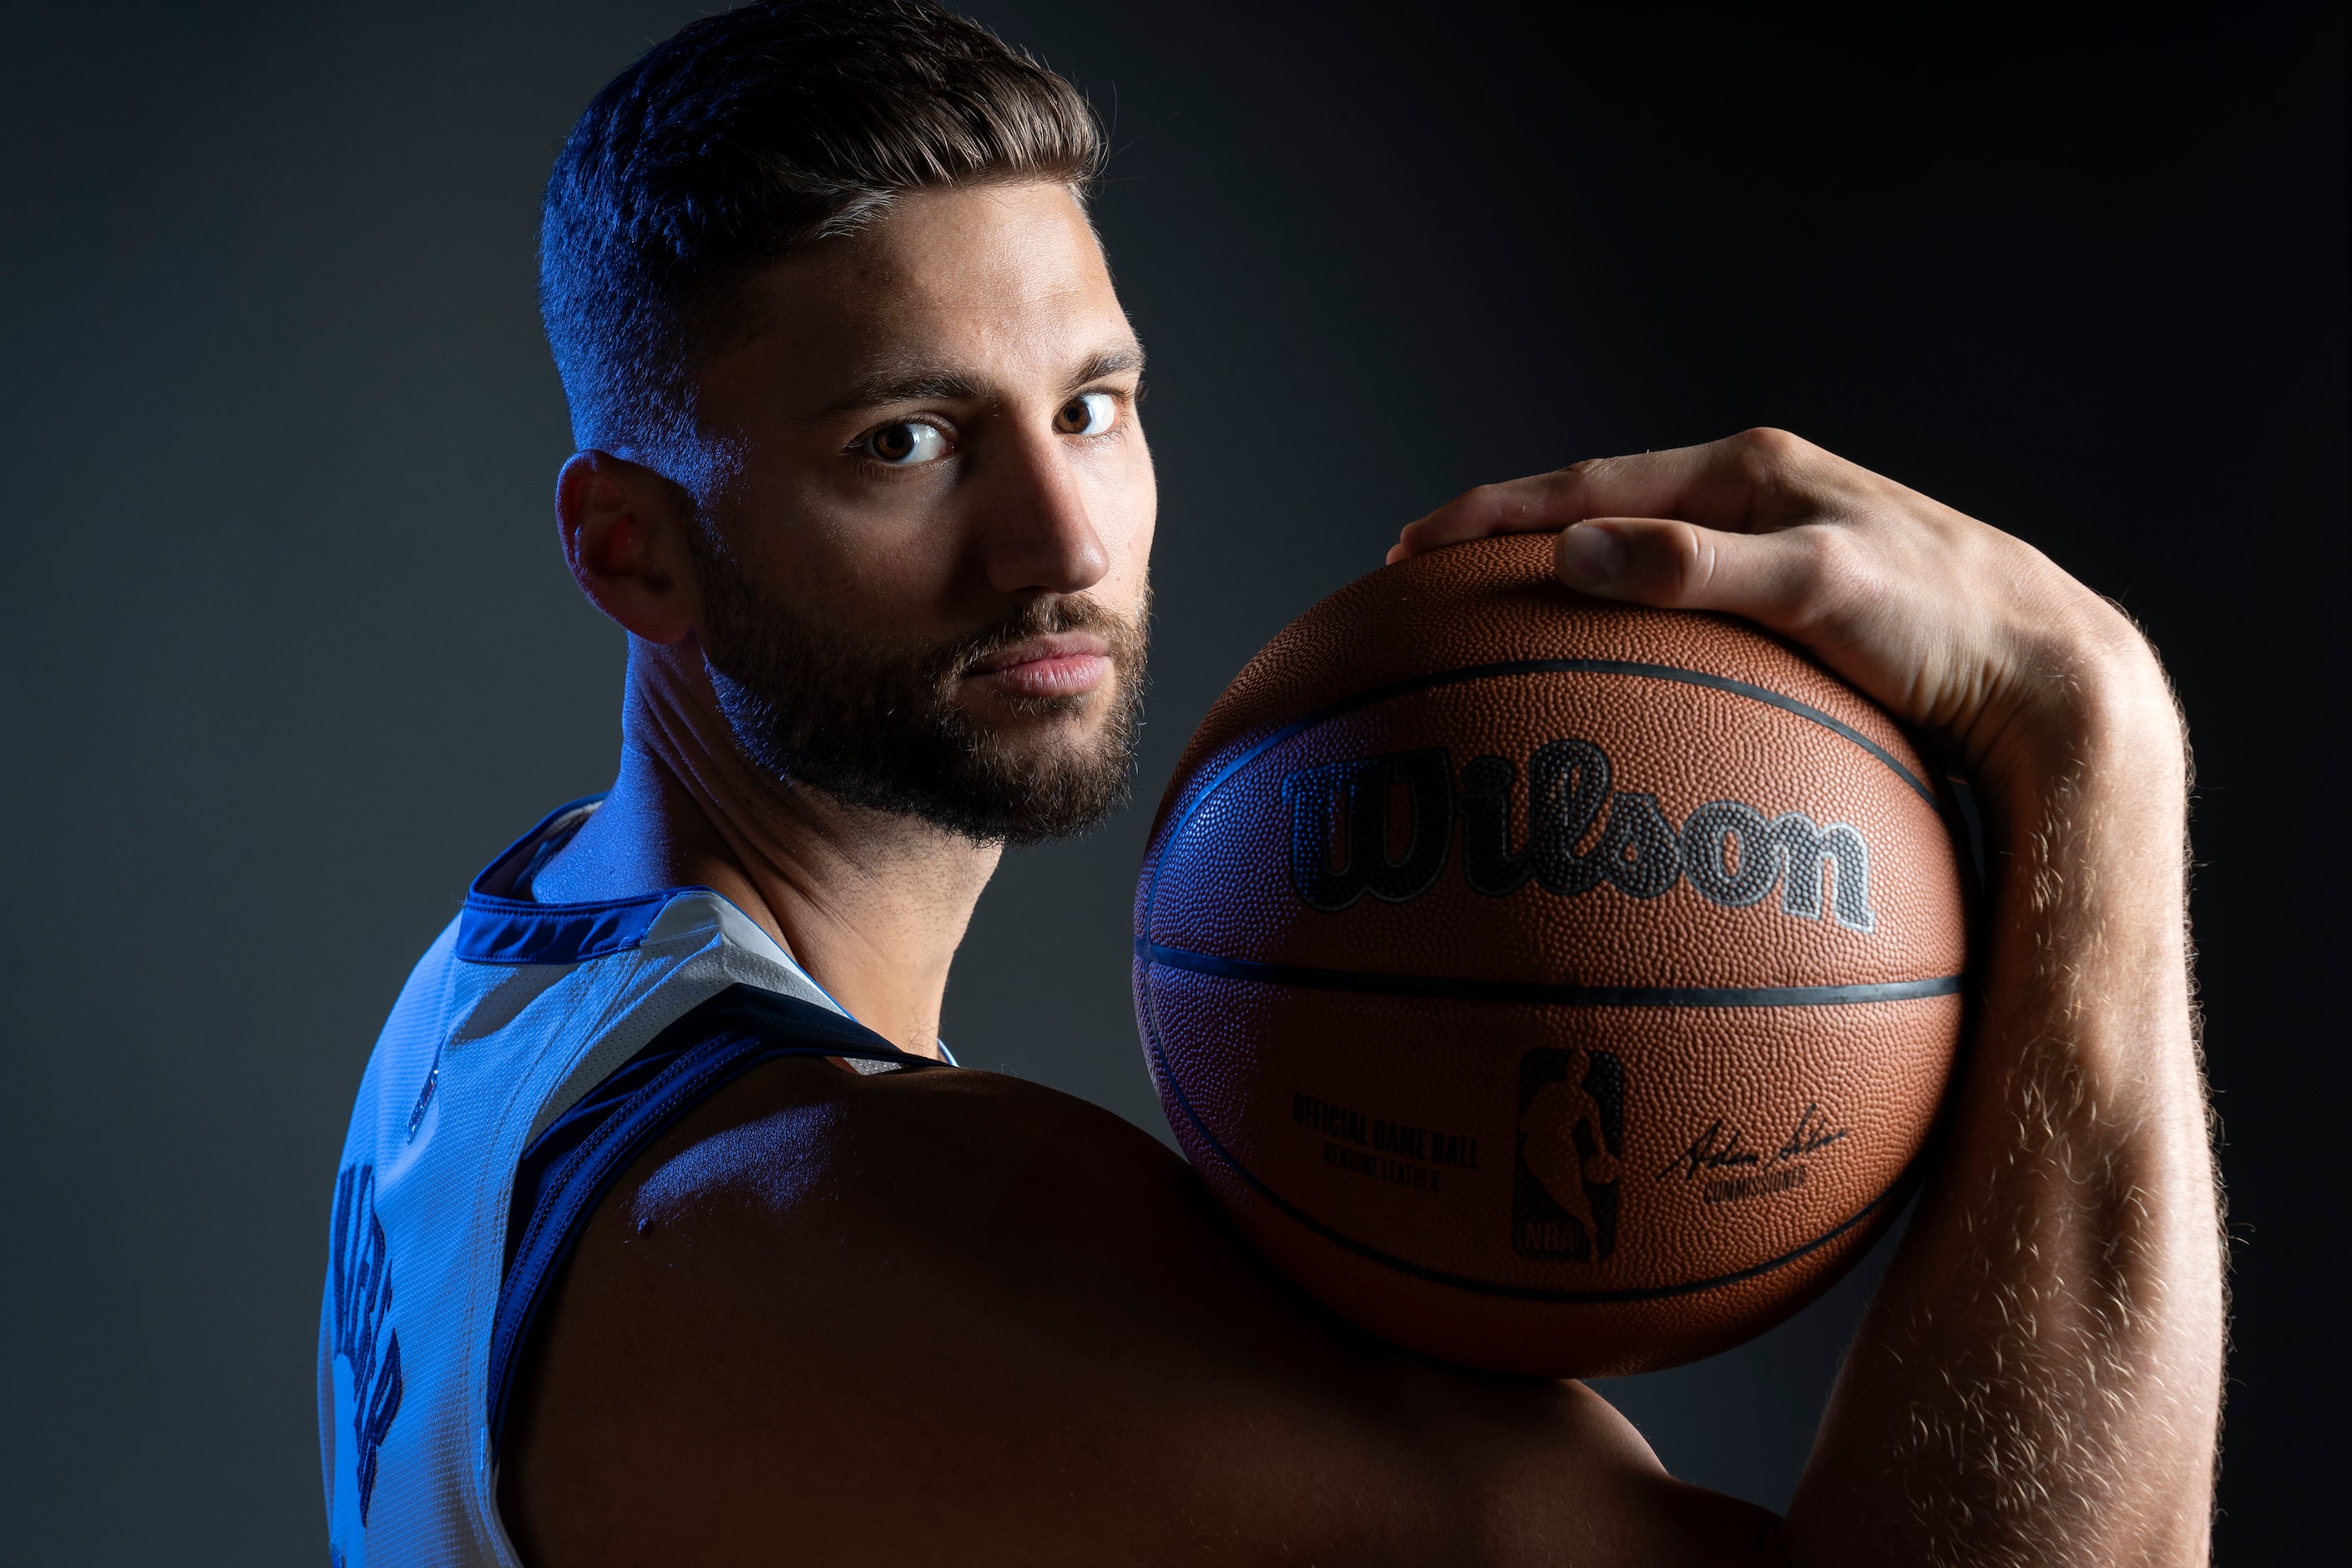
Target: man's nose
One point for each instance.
(1036, 534)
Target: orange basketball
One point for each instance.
(1545, 984)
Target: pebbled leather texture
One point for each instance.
(1548, 986)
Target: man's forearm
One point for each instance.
(2038, 1380)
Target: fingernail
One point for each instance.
(1590, 557)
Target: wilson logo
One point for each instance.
(1385, 825)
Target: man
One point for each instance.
(662, 1233)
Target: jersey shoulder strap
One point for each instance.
(576, 1161)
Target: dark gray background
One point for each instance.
(293, 652)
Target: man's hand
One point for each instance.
(1955, 627)
(2038, 1379)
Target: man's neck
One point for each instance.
(872, 905)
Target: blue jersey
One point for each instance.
(536, 1049)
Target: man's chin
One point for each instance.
(1051, 774)
(1040, 741)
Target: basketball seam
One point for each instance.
(1464, 1282)
(1537, 995)
(1507, 668)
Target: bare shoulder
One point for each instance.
(845, 1319)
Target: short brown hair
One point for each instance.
(746, 136)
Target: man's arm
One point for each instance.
(953, 1317)
(2038, 1380)
(947, 1315)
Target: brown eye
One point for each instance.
(905, 445)
(1089, 414)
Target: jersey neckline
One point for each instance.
(496, 929)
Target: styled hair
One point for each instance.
(745, 137)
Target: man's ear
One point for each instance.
(624, 530)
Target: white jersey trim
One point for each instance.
(515, 1012)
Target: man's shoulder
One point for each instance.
(822, 1179)
(817, 1275)
(820, 1290)
(760, 1130)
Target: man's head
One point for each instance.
(855, 404)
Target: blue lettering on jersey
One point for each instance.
(362, 1286)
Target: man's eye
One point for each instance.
(1088, 413)
(904, 446)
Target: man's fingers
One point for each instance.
(1537, 505)
(1774, 579)
(1745, 483)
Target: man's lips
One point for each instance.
(1063, 663)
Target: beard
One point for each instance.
(881, 726)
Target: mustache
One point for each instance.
(1041, 617)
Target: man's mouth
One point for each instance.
(1059, 664)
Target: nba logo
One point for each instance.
(1572, 1138)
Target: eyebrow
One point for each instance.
(913, 384)
(1112, 362)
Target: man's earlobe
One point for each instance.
(622, 531)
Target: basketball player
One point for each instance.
(666, 1232)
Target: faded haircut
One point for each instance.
(743, 138)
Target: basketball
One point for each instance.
(1544, 984)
